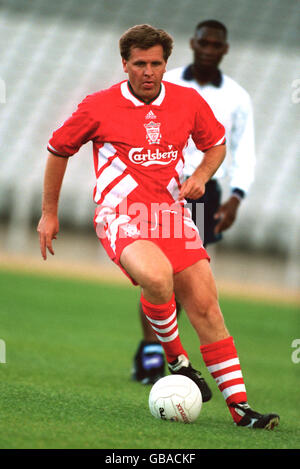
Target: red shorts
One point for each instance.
(180, 241)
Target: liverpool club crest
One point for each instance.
(153, 132)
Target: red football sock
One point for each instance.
(222, 362)
(163, 319)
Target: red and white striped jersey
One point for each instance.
(138, 148)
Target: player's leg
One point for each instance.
(148, 332)
(148, 361)
(203, 211)
(150, 268)
(196, 290)
(149, 358)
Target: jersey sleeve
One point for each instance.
(208, 131)
(75, 131)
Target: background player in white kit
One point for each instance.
(115, 120)
(232, 106)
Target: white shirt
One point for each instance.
(232, 106)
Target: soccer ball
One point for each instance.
(175, 397)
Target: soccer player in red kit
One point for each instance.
(139, 129)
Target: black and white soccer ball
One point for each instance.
(175, 397)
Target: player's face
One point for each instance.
(209, 46)
(145, 68)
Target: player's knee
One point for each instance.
(210, 311)
(159, 283)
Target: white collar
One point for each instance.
(128, 95)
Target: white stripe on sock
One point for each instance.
(222, 365)
(227, 392)
(169, 338)
(167, 329)
(228, 377)
(162, 322)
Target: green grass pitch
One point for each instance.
(66, 381)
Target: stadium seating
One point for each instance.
(54, 53)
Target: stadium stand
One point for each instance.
(55, 53)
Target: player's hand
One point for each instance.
(226, 214)
(192, 188)
(48, 228)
